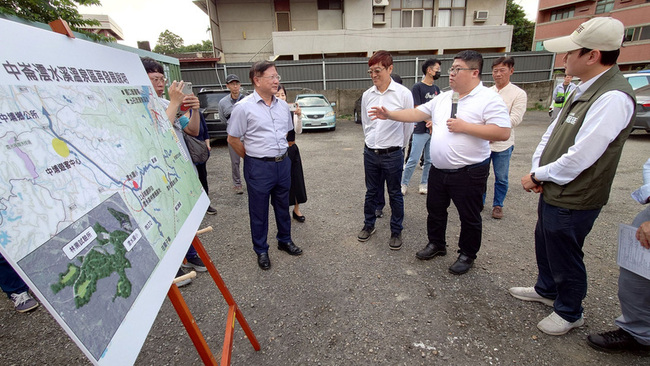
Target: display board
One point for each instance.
(98, 200)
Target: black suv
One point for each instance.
(209, 106)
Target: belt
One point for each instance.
(466, 167)
(384, 151)
(275, 159)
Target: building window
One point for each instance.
(411, 13)
(539, 46)
(604, 6)
(283, 20)
(637, 34)
(330, 4)
(562, 13)
(451, 13)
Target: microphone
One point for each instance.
(454, 104)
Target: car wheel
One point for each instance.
(356, 117)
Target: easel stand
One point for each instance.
(234, 313)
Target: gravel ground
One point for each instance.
(349, 303)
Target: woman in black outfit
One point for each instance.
(297, 193)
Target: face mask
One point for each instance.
(436, 76)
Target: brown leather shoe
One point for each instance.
(497, 212)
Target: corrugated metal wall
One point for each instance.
(350, 73)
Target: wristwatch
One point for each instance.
(532, 177)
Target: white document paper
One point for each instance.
(631, 255)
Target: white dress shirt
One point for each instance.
(515, 99)
(453, 150)
(385, 133)
(606, 118)
(262, 128)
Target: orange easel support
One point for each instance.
(192, 328)
(61, 26)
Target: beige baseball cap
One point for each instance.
(601, 33)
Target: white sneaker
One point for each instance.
(423, 189)
(529, 294)
(404, 189)
(556, 325)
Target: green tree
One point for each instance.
(205, 46)
(168, 43)
(523, 29)
(45, 11)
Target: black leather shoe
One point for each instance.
(430, 251)
(290, 248)
(298, 218)
(462, 265)
(616, 341)
(263, 261)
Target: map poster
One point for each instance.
(98, 201)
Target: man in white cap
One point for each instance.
(573, 168)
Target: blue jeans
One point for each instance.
(465, 188)
(501, 165)
(421, 143)
(264, 180)
(10, 282)
(559, 236)
(389, 166)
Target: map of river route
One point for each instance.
(94, 190)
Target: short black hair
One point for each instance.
(428, 63)
(259, 68)
(607, 58)
(472, 58)
(506, 60)
(152, 66)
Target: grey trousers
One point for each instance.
(234, 163)
(634, 296)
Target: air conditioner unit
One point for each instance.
(380, 2)
(480, 15)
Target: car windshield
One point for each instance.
(312, 102)
(211, 100)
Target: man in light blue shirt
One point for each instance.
(257, 131)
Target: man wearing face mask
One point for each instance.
(422, 92)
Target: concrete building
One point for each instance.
(252, 30)
(107, 28)
(557, 18)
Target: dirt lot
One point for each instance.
(349, 303)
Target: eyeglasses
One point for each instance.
(158, 80)
(455, 70)
(276, 77)
(376, 71)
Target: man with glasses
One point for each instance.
(574, 166)
(383, 155)
(460, 153)
(257, 131)
(515, 99)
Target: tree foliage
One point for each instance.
(523, 29)
(45, 11)
(171, 43)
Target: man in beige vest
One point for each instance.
(573, 168)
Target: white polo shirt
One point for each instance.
(385, 133)
(453, 150)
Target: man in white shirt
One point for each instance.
(383, 154)
(573, 168)
(460, 155)
(515, 99)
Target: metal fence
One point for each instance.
(350, 73)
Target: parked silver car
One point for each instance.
(317, 112)
(642, 121)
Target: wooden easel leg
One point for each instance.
(228, 338)
(192, 328)
(225, 292)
